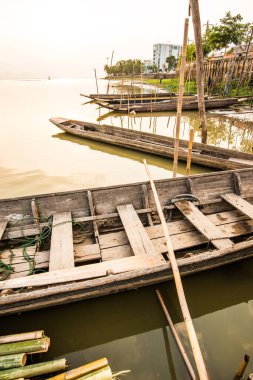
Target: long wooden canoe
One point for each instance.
(169, 105)
(206, 155)
(126, 96)
(69, 246)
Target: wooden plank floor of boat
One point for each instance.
(136, 233)
(61, 250)
(142, 247)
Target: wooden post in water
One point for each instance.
(96, 81)
(189, 154)
(199, 68)
(179, 286)
(180, 97)
(108, 84)
(176, 337)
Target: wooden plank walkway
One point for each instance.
(61, 250)
(136, 233)
(239, 203)
(203, 224)
(3, 225)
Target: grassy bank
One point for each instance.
(172, 85)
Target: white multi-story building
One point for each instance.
(162, 51)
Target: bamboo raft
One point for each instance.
(70, 246)
(206, 155)
(169, 105)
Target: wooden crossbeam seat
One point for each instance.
(239, 203)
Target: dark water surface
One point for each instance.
(129, 328)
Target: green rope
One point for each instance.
(5, 270)
(26, 241)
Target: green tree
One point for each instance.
(172, 62)
(125, 67)
(230, 31)
(191, 52)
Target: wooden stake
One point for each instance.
(96, 82)
(179, 286)
(180, 97)
(189, 155)
(177, 339)
(108, 84)
(199, 68)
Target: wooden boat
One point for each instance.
(127, 96)
(130, 101)
(170, 105)
(95, 242)
(205, 155)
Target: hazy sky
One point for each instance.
(69, 38)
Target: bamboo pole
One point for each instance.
(12, 361)
(199, 68)
(102, 374)
(179, 286)
(21, 337)
(180, 97)
(176, 337)
(95, 71)
(240, 371)
(34, 370)
(28, 346)
(81, 371)
(108, 84)
(189, 154)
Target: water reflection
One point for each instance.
(223, 131)
(159, 162)
(130, 328)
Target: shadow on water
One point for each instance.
(97, 321)
(160, 162)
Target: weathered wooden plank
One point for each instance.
(136, 233)
(188, 239)
(203, 224)
(239, 203)
(61, 250)
(3, 225)
(125, 281)
(40, 260)
(84, 272)
(176, 227)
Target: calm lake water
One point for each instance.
(129, 329)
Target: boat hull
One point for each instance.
(108, 260)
